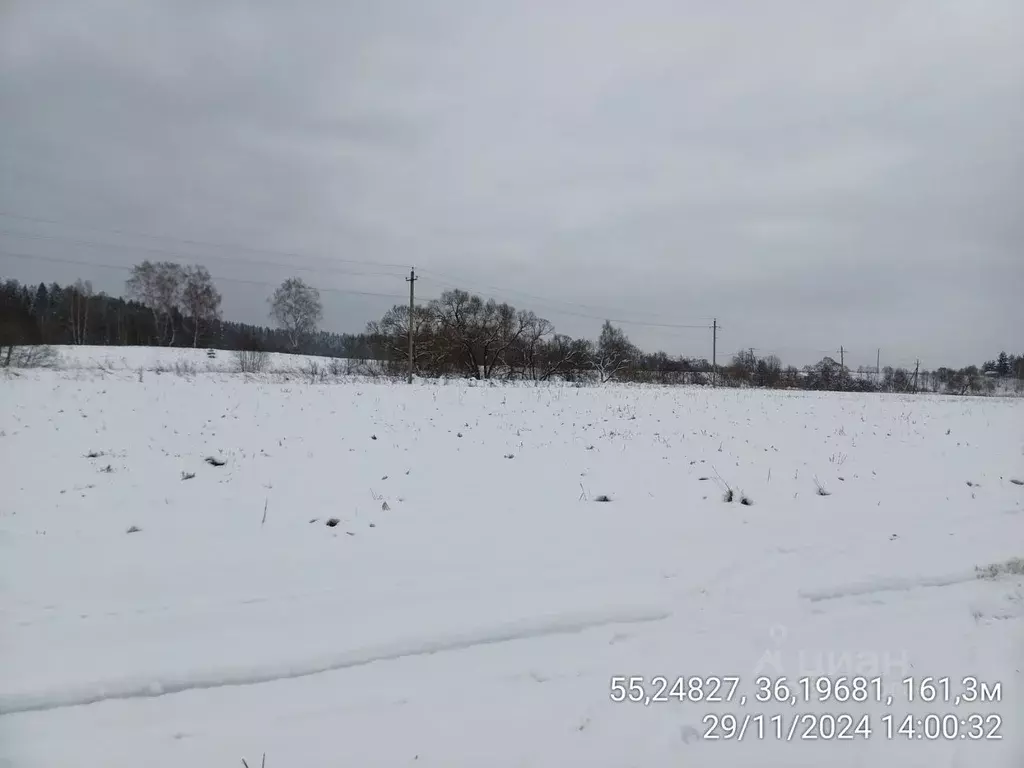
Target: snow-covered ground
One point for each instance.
(184, 360)
(474, 599)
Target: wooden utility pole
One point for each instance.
(917, 367)
(411, 280)
(842, 357)
(714, 352)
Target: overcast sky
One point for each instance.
(813, 174)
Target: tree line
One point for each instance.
(458, 334)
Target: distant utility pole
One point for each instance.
(842, 357)
(878, 362)
(917, 367)
(714, 352)
(411, 280)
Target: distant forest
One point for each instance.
(459, 334)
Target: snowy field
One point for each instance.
(474, 599)
(183, 360)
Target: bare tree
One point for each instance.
(79, 314)
(296, 307)
(769, 371)
(158, 286)
(199, 298)
(392, 330)
(477, 334)
(562, 356)
(614, 353)
(523, 356)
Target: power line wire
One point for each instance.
(602, 318)
(212, 244)
(124, 268)
(201, 243)
(178, 254)
(530, 296)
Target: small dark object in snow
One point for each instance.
(746, 502)
(373, 437)
(385, 477)
(187, 475)
(703, 478)
(384, 507)
(510, 455)
(458, 434)
(134, 529)
(333, 522)
(602, 497)
(313, 520)
(972, 485)
(1015, 481)
(108, 469)
(213, 461)
(350, 533)
(822, 492)
(893, 537)
(373, 525)
(93, 454)
(727, 496)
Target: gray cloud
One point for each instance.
(811, 174)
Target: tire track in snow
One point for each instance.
(136, 688)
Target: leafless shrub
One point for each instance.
(1012, 567)
(34, 356)
(337, 366)
(314, 371)
(94, 454)
(251, 360)
(263, 762)
(821, 491)
(109, 469)
(185, 368)
(729, 494)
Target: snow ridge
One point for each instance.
(136, 688)
(887, 585)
